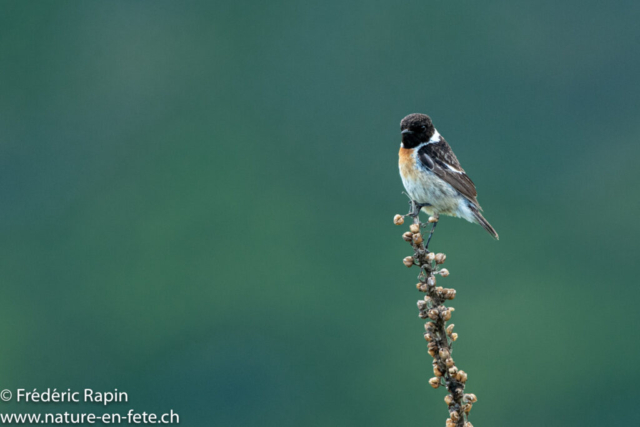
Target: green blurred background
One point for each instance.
(197, 204)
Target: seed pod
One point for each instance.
(433, 219)
(454, 416)
(433, 314)
(415, 228)
(446, 315)
(435, 382)
(454, 336)
(453, 371)
(467, 408)
(437, 372)
(398, 220)
(470, 398)
(431, 256)
(431, 281)
(462, 376)
(443, 353)
(407, 237)
(440, 258)
(408, 261)
(444, 272)
(448, 399)
(449, 362)
(421, 304)
(417, 238)
(428, 337)
(450, 328)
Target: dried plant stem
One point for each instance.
(439, 336)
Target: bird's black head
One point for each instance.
(416, 129)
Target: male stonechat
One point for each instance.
(432, 175)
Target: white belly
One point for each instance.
(426, 187)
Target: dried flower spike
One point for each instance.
(438, 335)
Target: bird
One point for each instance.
(432, 175)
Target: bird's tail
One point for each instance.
(483, 222)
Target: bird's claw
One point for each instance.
(414, 211)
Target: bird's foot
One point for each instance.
(414, 210)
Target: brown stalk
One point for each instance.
(438, 335)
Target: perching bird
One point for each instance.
(432, 175)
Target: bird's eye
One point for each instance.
(423, 127)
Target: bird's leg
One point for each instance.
(426, 246)
(415, 208)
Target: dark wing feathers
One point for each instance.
(437, 157)
(425, 159)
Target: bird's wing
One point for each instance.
(439, 158)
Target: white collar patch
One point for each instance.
(435, 138)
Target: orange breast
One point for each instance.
(407, 163)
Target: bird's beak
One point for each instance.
(406, 131)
